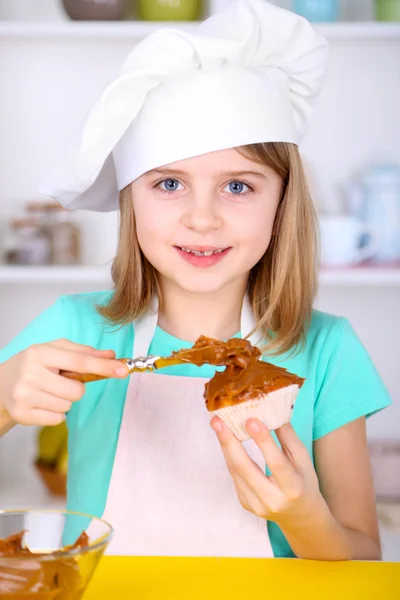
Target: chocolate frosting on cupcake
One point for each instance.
(246, 377)
(235, 384)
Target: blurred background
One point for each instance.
(55, 57)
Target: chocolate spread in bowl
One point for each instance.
(26, 575)
(246, 376)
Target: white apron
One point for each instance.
(170, 492)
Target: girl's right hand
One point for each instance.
(33, 392)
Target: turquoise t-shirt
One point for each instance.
(341, 385)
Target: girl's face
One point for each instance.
(204, 222)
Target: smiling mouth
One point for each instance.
(205, 252)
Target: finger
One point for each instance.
(65, 344)
(249, 500)
(292, 446)
(279, 465)
(45, 418)
(48, 402)
(59, 386)
(67, 360)
(238, 461)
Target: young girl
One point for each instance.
(198, 134)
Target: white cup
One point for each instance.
(340, 240)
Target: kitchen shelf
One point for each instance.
(81, 30)
(131, 30)
(50, 275)
(360, 31)
(363, 276)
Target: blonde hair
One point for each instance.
(281, 285)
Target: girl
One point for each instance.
(198, 134)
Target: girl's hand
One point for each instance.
(33, 393)
(291, 493)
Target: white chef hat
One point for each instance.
(248, 74)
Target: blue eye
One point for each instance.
(169, 185)
(237, 187)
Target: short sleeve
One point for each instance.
(50, 325)
(351, 386)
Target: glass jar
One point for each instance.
(387, 10)
(318, 10)
(96, 10)
(169, 10)
(32, 247)
(10, 247)
(39, 214)
(65, 236)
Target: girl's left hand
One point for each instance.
(291, 493)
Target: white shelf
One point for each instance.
(105, 30)
(50, 275)
(101, 274)
(360, 31)
(131, 30)
(362, 276)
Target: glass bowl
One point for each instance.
(53, 571)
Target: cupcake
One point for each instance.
(247, 388)
(259, 391)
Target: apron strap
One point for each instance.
(144, 330)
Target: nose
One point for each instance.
(202, 212)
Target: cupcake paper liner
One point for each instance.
(274, 410)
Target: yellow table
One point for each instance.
(120, 578)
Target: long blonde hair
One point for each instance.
(281, 285)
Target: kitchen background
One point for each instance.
(52, 67)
